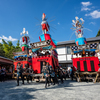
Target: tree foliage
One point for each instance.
(7, 48)
(98, 34)
(2, 53)
(18, 47)
(18, 44)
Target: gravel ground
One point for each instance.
(69, 90)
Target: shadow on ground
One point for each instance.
(12, 92)
(9, 90)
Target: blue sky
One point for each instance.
(18, 14)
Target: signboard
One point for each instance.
(88, 46)
(84, 59)
(20, 53)
(42, 59)
(40, 44)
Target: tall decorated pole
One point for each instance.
(24, 40)
(78, 27)
(44, 50)
(81, 46)
(86, 62)
(45, 28)
(44, 24)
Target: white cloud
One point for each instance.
(92, 23)
(58, 23)
(84, 6)
(85, 9)
(94, 14)
(86, 3)
(7, 38)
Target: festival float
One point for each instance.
(23, 57)
(85, 61)
(38, 51)
(45, 49)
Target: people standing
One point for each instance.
(26, 73)
(67, 73)
(59, 74)
(56, 75)
(63, 74)
(53, 77)
(30, 70)
(19, 74)
(49, 67)
(2, 74)
(71, 73)
(45, 71)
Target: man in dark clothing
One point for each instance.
(2, 72)
(26, 73)
(61, 76)
(19, 74)
(46, 72)
(64, 74)
(71, 73)
(47, 81)
(56, 75)
(30, 71)
(53, 77)
(49, 67)
(59, 73)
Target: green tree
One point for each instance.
(98, 34)
(8, 49)
(10, 43)
(4, 42)
(18, 44)
(18, 48)
(2, 53)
